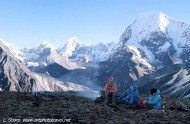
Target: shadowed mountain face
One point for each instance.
(56, 70)
(155, 44)
(125, 65)
(174, 83)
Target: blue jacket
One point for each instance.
(155, 100)
(133, 95)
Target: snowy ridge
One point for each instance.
(150, 20)
(174, 78)
(76, 50)
(45, 54)
(178, 85)
(45, 44)
(173, 83)
(102, 51)
(14, 50)
(70, 47)
(137, 56)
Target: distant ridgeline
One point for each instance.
(163, 71)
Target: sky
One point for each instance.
(26, 23)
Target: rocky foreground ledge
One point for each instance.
(17, 106)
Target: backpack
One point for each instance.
(141, 105)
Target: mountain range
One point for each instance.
(15, 76)
(74, 49)
(154, 49)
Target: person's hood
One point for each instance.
(134, 85)
(157, 93)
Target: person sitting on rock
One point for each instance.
(110, 89)
(130, 96)
(154, 101)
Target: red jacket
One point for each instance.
(110, 89)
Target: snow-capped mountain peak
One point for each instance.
(45, 44)
(74, 40)
(72, 44)
(155, 34)
(153, 20)
(43, 49)
(15, 50)
(69, 47)
(76, 50)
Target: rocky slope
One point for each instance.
(13, 75)
(64, 105)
